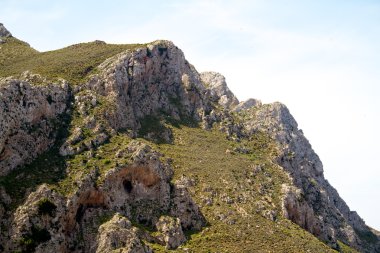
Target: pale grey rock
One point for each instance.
(29, 116)
(147, 81)
(171, 231)
(245, 105)
(219, 91)
(86, 101)
(28, 218)
(119, 235)
(4, 32)
(275, 120)
(186, 181)
(94, 102)
(99, 139)
(297, 210)
(142, 187)
(140, 191)
(184, 208)
(77, 136)
(312, 202)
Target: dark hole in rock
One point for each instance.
(80, 213)
(127, 185)
(50, 99)
(143, 220)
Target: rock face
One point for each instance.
(29, 117)
(171, 230)
(245, 105)
(149, 80)
(107, 209)
(312, 202)
(4, 32)
(119, 234)
(219, 91)
(140, 192)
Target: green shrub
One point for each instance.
(367, 236)
(72, 63)
(45, 206)
(30, 241)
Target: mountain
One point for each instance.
(127, 148)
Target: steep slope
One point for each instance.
(310, 200)
(4, 32)
(127, 147)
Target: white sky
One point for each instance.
(320, 58)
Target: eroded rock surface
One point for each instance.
(140, 192)
(119, 234)
(171, 230)
(245, 105)
(4, 32)
(149, 80)
(219, 90)
(312, 202)
(131, 93)
(29, 119)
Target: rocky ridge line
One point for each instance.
(311, 201)
(4, 32)
(140, 191)
(29, 118)
(131, 87)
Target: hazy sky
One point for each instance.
(321, 58)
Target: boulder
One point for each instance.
(29, 115)
(119, 234)
(245, 105)
(219, 90)
(4, 32)
(171, 231)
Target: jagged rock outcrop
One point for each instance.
(97, 133)
(312, 203)
(219, 91)
(38, 223)
(245, 105)
(134, 85)
(29, 118)
(4, 32)
(171, 230)
(119, 234)
(152, 79)
(132, 93)
(141, 192)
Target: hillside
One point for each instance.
(127, 148)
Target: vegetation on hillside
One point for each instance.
(72, 63)
(236, 184)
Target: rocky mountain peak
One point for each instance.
(74, 178)
(245, 105)
(220, 92)
(4, 32)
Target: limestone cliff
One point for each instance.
(310, 201)
(101, 165)
(29, 118)
(220, 92)
(4, 32)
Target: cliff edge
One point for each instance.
(129, 148)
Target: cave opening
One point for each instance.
(127, 185)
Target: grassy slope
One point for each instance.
(201, 156)
(72, 63)
(229, 180)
